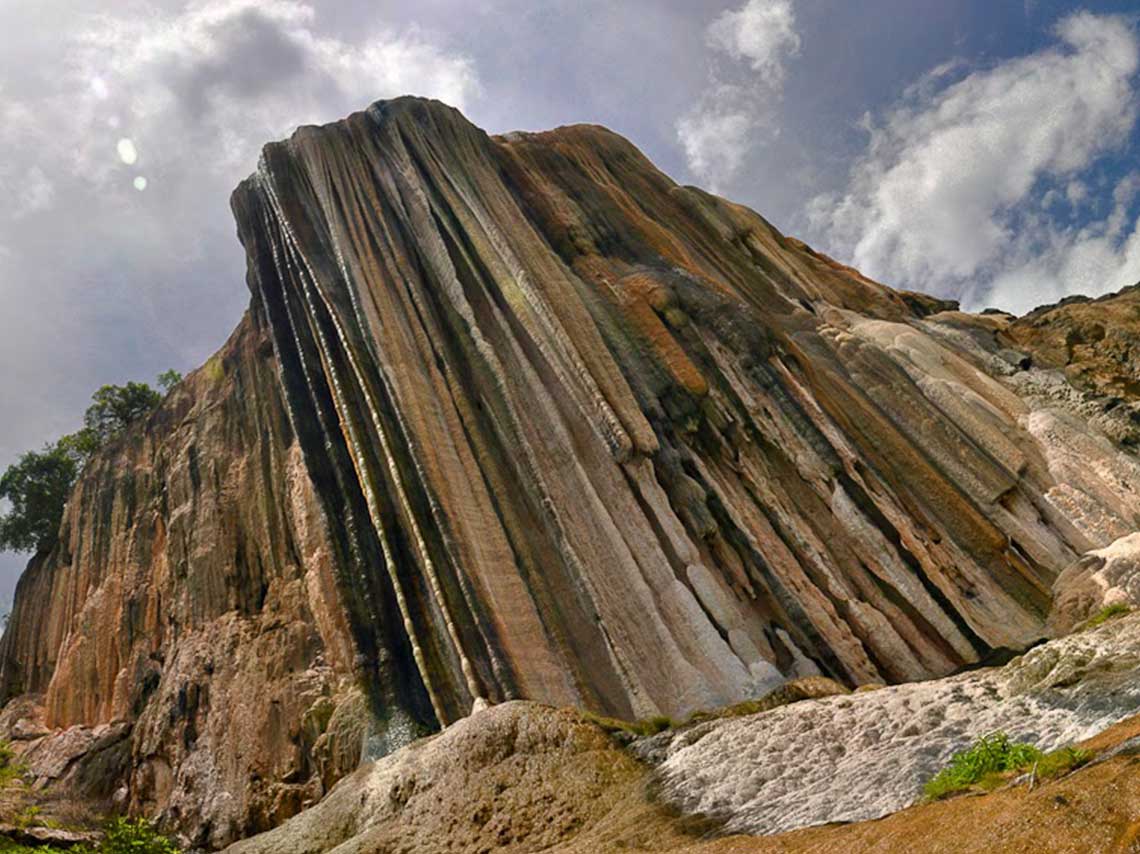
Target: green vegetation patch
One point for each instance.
(11, 769)
(122, 836)
(133, 836)
(1107, 613)
(643, 727)
(991, 760)
(38, 484)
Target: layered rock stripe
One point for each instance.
(519, 417)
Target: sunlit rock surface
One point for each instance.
(1107, 578)
(524, 777)
(519, 417)
(859, 757)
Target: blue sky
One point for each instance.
(979, 149)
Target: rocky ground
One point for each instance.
(36, 816)
(526, 777)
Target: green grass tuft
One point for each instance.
(1107, 613)
(11, 769)
(989, 755)
(134, 836)
(990, 761)
(1062, 761)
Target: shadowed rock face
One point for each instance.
(520, 417)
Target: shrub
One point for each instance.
(990, 761)
(127, 836)
(980, 764)
(134, 836)
(116, 407)
(36, 486)
(169, 379)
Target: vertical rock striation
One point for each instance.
(520, 417)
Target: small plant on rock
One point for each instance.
(993, 759)
(643, 727)
(1118, 609)
(130, 836)
(1062, 761)
(11, 769)
(134, 836)
(981, 764)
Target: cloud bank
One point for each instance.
(977, 185)
(751, 45)
(119, 156)
(213, 83)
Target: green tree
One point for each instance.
(116, 407)
(169, 379)
(36, 487)
(38, 484)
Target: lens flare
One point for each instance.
(127, 151)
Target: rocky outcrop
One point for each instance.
(519, 417)
(1096, 342)
(524, 777)
(515, 777)
(1103, 578)
(859, 757)
(193, 602)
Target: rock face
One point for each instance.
(1095, 342)
(194, 596)
(524, 777)
(1103, 578)
(519, 417)
(515, 777)
(859, 757)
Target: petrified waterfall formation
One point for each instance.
(521, 417)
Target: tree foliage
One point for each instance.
(37, 485)
(169, 379)
(116, 407)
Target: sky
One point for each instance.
(982, 150)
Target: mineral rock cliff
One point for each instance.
(519, 417)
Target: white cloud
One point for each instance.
(207, 85)
(121, 137)
(720, 130)
(763, 32)
(716, 137)
(233, 74)
(954, 192)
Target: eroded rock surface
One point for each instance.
(519, 417)
(858, 757)
(514, 777)
(192, 608)
(1104, 578)
(525, 777)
